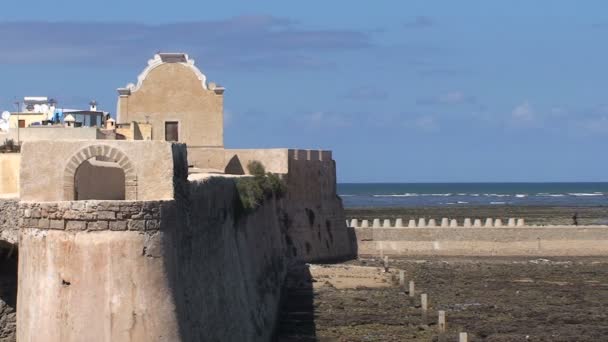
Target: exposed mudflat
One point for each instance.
(493, 299)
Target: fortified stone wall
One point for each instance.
(190, 267)
(485, 241)
(317, 223)
(229, 265)
(94, 271)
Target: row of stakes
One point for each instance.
(445, 223)
(424, 304)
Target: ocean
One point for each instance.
(358, 195)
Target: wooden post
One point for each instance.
(463, 337)
(411, 292)
(402, 278)
(441, 322)
(424, 302)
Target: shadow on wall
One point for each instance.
(99, 180)
(234, 167)
(297, 316)
(8, 291)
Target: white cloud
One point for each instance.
(596, 125)
(327, 119)
(523, 114)
(454, 97)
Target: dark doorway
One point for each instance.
(21, 123)
(171, 131)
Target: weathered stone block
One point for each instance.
(118, 225)
(136, 224)
(152, 225)
(97, 225)
(91, 207)
(56, 224)
(72, 215)
(36, 213)
(78, 205)
(76, 225)
(106, 215)
(43, 223)
(107, 206)
(31, 223)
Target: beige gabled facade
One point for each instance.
(173, 94)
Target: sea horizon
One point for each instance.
(421, 194)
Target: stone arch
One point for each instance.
(106, 151)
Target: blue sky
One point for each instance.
(401, 91)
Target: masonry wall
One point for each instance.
(315, 213)
(317, 222)
(229, 265)
(504, 241)
(9, 173)
(94, 271)
(148, 167)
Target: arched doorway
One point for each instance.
(100, 172)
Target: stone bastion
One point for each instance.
(166, 257)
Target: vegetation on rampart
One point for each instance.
(9, 146)
(253, 190)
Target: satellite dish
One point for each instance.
(3, 126)
(6, 115)
(44, 108)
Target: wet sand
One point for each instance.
(540, 215)
(492, 299)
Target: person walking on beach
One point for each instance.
(575, 219)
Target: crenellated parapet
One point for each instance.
(310, 155)
(445, 222)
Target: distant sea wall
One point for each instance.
(484, 241)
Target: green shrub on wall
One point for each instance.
(253, 190)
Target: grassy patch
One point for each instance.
(254, 190)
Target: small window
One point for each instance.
(171, 131)
(21, 123)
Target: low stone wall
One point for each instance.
(93, 215)
(505, 241)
